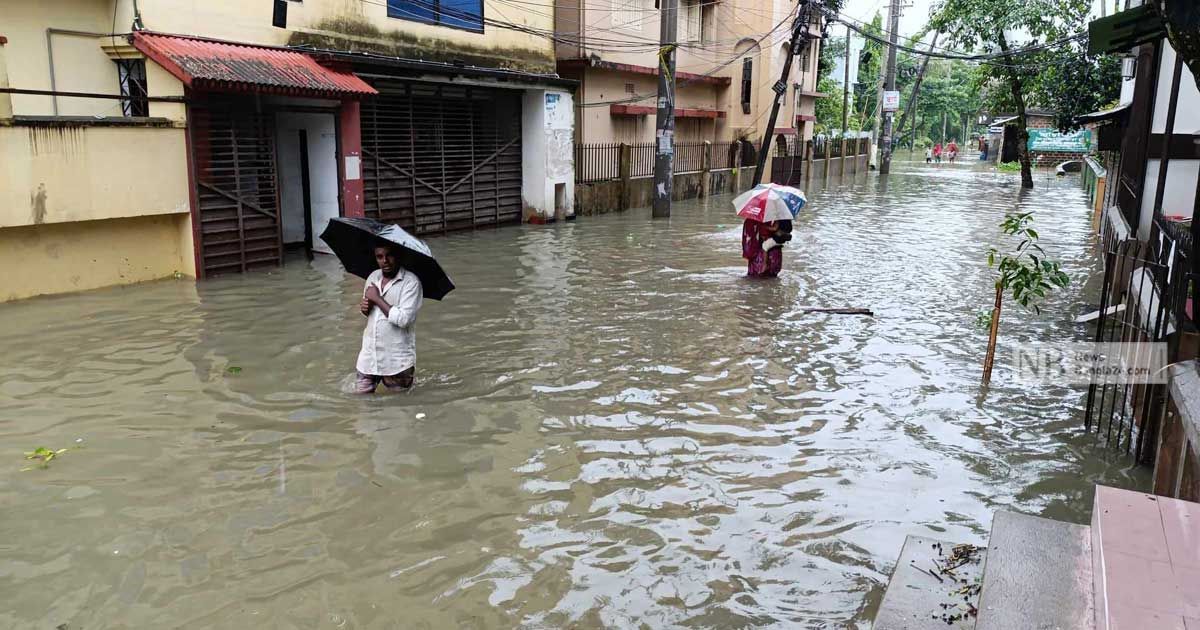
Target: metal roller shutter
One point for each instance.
(236, 196)
(442, 157)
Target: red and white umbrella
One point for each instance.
(770, 202)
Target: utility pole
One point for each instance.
(916, 90)
(800, 39)
(878, 111)
(846, 87)
(664, 125)
(885, 141)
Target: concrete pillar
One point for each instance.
(350, 135)
(6, 110)
(706, 170)
(625, 172)
(547, 155)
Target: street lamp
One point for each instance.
(1128, 67)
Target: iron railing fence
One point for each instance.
(642, 156)
(689, 157)
(724, 155)
(597, 162)
(1144, 298)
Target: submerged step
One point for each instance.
(935, 585)
(1039, 575)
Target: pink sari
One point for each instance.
(760, 264)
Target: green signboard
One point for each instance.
(1050, 140)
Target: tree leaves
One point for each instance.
(1025, 272)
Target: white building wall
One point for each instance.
(1187, 113)
(1179, 193)
(548, 156)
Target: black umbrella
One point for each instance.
(354, 241)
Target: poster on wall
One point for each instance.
(558, 116)
(1051, 140)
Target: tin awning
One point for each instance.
(680, 112)
(1103, 115)
(208, 64)
(1122, 31)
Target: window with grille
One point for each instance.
(131, 73)
(691, 22)
(628, 13)
(747, 83)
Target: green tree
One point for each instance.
(829, 109)
(866, 90)
(949, 93)
(1003, 26)
(1072, 84)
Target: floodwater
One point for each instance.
(612, 427)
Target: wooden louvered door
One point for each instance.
(442, 157)
(233, 149)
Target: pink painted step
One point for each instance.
(1146, 557)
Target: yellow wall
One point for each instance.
(363, 25)
(47, 259)
(79, 63)
(60, 173)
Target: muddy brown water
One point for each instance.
(612, 428)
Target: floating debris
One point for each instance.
(44, 455)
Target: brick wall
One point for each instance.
(1048, 158)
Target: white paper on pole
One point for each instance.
(891, 100)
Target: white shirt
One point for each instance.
(389, 343)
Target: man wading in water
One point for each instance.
(390, 302)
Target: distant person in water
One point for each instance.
(937, 153)
(952, 150)
(983, 148)
(391, 299)
(928, 156)
(762, 247)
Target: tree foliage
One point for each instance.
(1072, 84)
(1004, 26)
(828, 110)
(1025, 271)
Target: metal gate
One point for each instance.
(1142, 300)
(788, 165)
(237, 204)
(442, 157)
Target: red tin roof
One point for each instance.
(232, 67)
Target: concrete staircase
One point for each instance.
(1136, 567)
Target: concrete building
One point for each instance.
(730, 54)
(143, 140)
(1153, 136)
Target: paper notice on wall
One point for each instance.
(353, 168)
(665, 144)
(558, 112)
